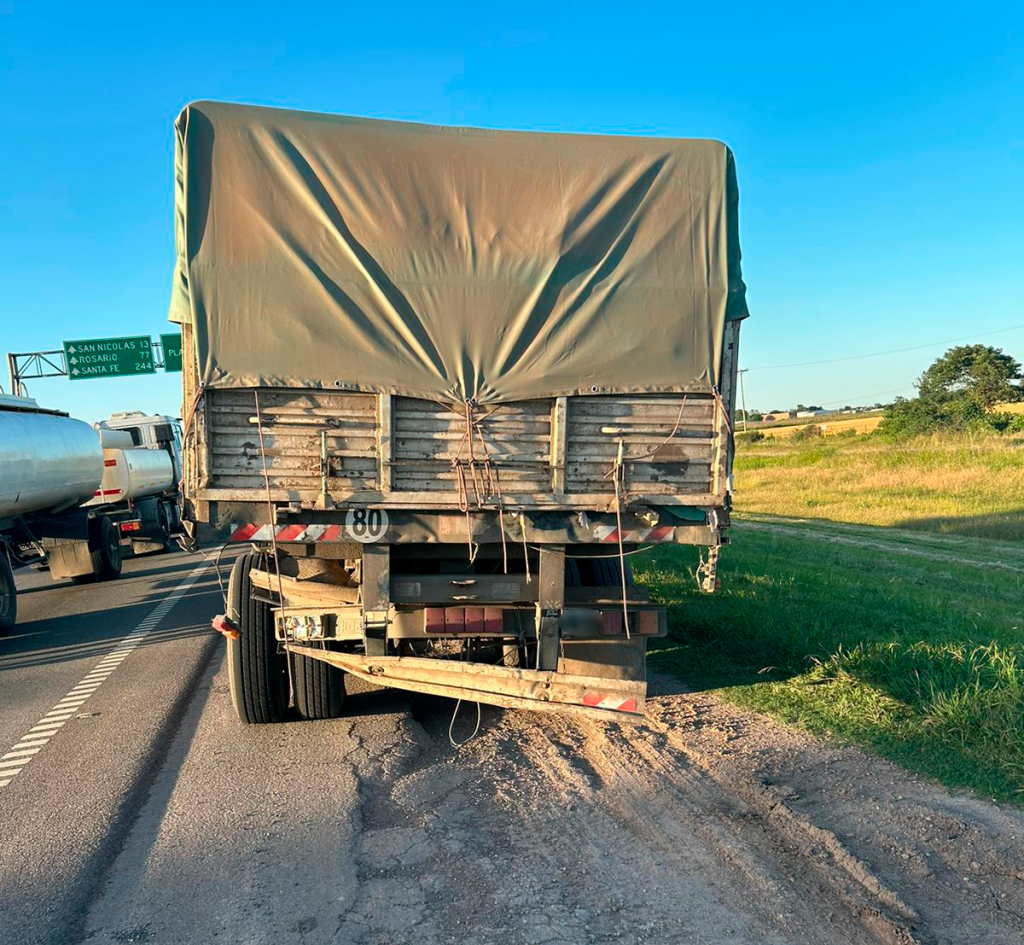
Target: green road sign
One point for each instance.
(172, 351)
(109, 357)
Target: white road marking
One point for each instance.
(28, 746)
(19, 753)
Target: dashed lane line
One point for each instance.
(14, 761)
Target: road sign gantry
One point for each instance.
(94, 358)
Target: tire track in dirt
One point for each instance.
(815, 533)
(549, 829)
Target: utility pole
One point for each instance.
(743, 397)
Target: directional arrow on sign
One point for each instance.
(114, 357)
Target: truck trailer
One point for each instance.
(72, 495)
(445, 382)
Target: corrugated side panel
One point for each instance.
(428, 436)
(292, 424)
(668, 443)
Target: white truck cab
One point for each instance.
(152, 431)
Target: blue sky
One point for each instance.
(879, 149)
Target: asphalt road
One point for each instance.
(90, 702)
(134, 807)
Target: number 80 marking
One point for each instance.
(366, 525)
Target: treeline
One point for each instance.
(959, 393)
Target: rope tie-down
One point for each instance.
(484, 476)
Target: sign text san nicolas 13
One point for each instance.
(109, 357)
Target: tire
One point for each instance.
(319, 688)
(106, 558)
(165, 529)
(595, 572)
(8, 595)
(609, 569)
(257, 673)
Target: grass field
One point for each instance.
(915, 655)
(827, 427)
(952, 485)
(907, 640)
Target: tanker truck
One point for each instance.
(444, 382)
(72, 494)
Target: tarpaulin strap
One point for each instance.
(526, 556)
(483, 475)
(186, 430)
(459, 468)
(270, 514)
(722, 408)
(619, 481)
(493, 485)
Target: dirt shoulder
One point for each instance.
(913, 861)
(703, 825)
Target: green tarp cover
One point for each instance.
(451, 263)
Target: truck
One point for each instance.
(141, 486)
(445, 383)
(71, 495)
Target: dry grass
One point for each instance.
(951, 485)
(827, 427)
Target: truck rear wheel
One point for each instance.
(319, 688)
(8, 595)
(257, 673)
(165, 528)
(107, 555)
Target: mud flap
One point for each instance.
(69, 559)
(614, 700)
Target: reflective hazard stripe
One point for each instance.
(601, 700)
(253, 532)
(610, 533)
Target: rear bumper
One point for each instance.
(612, 700)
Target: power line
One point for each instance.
(878, 354)
(877, 393)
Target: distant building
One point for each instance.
(802, 414)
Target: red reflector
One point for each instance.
(110, 462)
(648, 623)
(474, 620)
(111, 491)
(131, 526)
(463, 620)
(612, 622)
(224, 624)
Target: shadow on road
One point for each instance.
(91, 634)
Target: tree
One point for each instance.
(958, 391)
(980, 374)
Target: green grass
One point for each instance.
(921, 661)
(955, 485)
